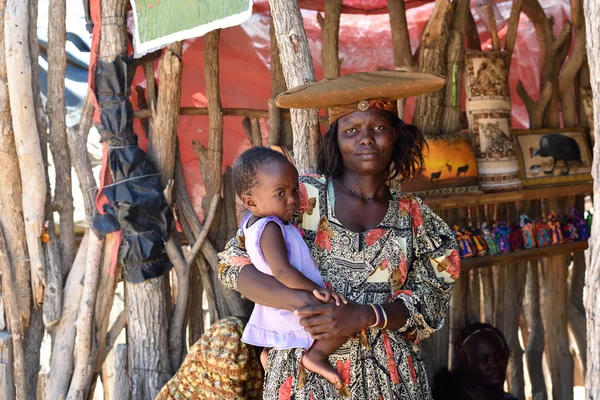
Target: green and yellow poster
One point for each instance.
(160, 22)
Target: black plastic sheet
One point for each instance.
(136, 203)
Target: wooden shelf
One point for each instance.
(475, 199)
(523, 255)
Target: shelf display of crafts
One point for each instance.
(552, 156)
(449, 167)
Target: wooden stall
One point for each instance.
(65, 286)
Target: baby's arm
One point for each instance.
(274, 249)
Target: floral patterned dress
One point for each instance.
(410, 257)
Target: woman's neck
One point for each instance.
(373, 186)
(476, 392)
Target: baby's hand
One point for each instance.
(325, 295)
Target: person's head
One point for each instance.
(266, 182)
(371, 142)
(483, 354)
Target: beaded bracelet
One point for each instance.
(377, 315)
(385, 318)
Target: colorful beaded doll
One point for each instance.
(490, 240)
(583, 230)
(480, 245)
(567, 229)
(516, 237)
(527, 232)
(556, 236)
(465, 243)
(503, 236)
(541, 233)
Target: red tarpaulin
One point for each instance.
(365, 44)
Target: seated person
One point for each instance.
(483, 356)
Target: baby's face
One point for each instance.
(276, 192)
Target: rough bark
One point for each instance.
(56, 110)
(535, 327)
(16, 368)
(296, 61)
(554, 312)
(122, 389)
(63, 336)
(7, 383)
(286, 136)
(403, 57)
(11, 205)
(516, 275)
(592, 283)
(451, 111)
(572, 66)
(151, 95)
(330, 30)
(576, 310)
(19, 74)
(148, 360)
(162, 146)
(274, 124)
(432, 59)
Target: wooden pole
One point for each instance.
(516, 275)
(330, 30)
(7, 384)
(458, 314)
(56, 109)
(296, 61)
(122, 389)
(432, 59)
(403, 57)
(27, 139)
(282, 133)
(592, 282)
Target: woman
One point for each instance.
(389, 254)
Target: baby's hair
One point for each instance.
(246, 166)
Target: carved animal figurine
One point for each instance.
(541, 233)
(527, 232)
(560, 148)
(490, 239)
(435, 175)
(462, 170)
(503, 236)
(556, 236)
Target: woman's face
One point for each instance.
(366, 140)
(487, 360)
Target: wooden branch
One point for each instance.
(77, 142)
(151, 89)
(161, 147)
(513, 25)
(110, 338)
(256, 134)
(558, 52)
(330, 29)
(17, 330)
(84, 361)
(27, 139)
(535, 345)
(55, 106)
(212, 211)
(296, 61)
(274, 124)
(474, 43)
(122, 389)
(572, 66)
(474, 297)
(492, 24)
(7, 384)
(177, 328)
(212, 172)
(535, 109)
(451, 111)
(432, 51)
(63, 336)
(11, 201)
(403, 57)
(560, 361)
(516, 275)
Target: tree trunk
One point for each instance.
(296, 61)
(56, 109)
(330, 31)
(122, 389)
(403, 57)
(560, 360)
(285, 137)
(149, 366)
(592, 302)
(516, 275)
(7, 383)
(27, 139)
(455, 66)
(432, 59)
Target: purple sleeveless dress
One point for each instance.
(272, 327)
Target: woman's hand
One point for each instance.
(326, 321)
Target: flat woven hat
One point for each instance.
(353, 88)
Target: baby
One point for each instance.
(267, 184)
